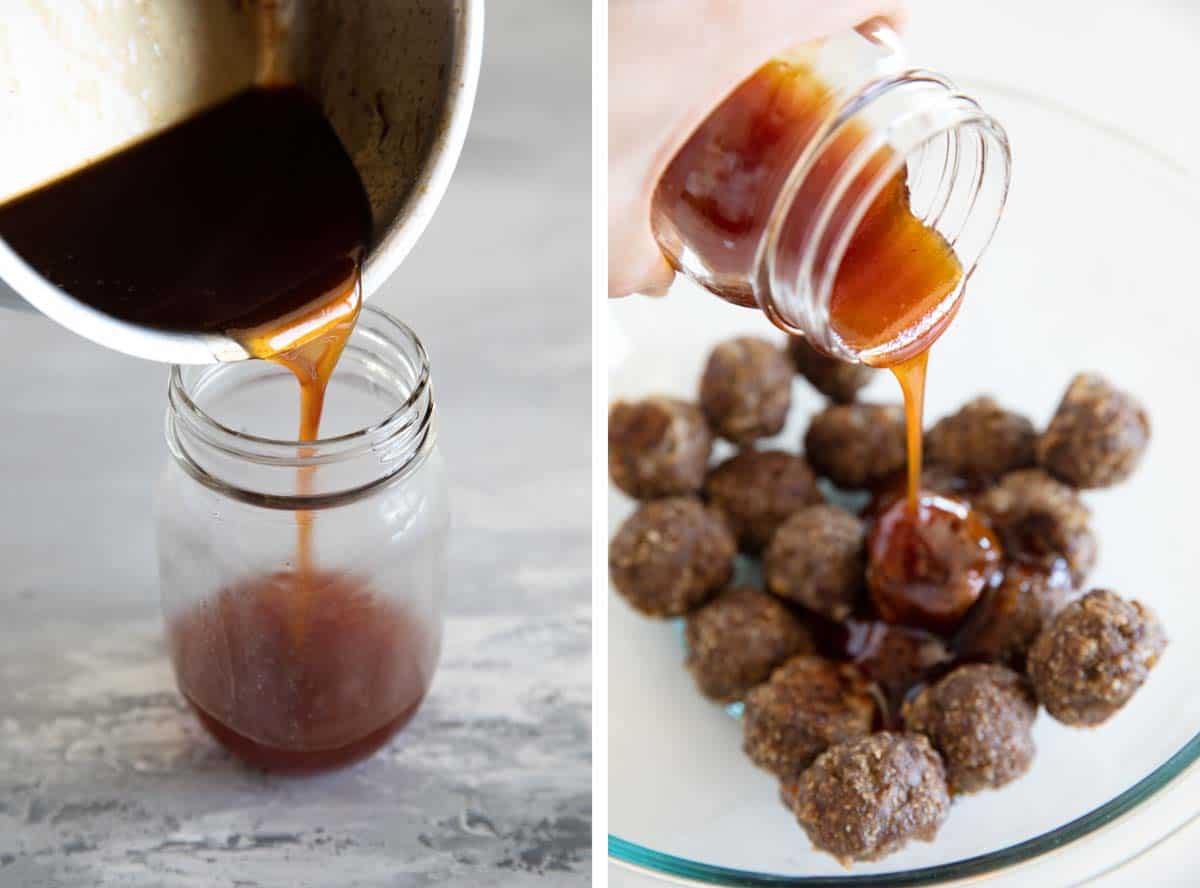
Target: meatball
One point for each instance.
(738, 638)
(670, 556)
(837, 380)
(1094, 656)
(1039, 519)
(857, 445)
(757, 490)
(1097, 435)
(866, 798)
(979, 717)
(935, 480)
(1008, 618)
(897, 658)
(818, 559)
(657, 447)
(927, 567)
(746, 389)
(808, 705)
(981, 441)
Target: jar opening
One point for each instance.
(953, 161)
(232, 426)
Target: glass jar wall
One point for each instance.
(844, 193)
(302, 583)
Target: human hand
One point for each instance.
(670, 62)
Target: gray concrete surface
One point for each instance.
(105, 779)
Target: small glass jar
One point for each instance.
(302, 583)
(762, 203)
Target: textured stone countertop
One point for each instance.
(106, 779)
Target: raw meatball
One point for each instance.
(837, 380)
(738, 638)
(866, 798)
(857, 445)
(818, 559)
(979, 718)
(670, 556)
(1006, 621)
(1096, 437)
(1094, 656)
(746, 389)
(808, 705)
(1039, 519)
(757, 490)
(981, 441)
(657, 447)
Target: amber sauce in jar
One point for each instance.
(896, 272)
(248, 219)
(721, 187)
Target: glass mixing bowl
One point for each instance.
(1091, 269)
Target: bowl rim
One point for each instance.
(960, 872)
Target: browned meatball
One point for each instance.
(935, 479)
(866, 798)
(1094, 656)
(757, 490)
(808, 705)
(981, 441)
(895, 657)
(857, 445)
(670, 556)
(837, 380)
(818, 559)
(1006, 621)
(1040, 520)
(738, 638)
(979, 717)
(927, 567)
(657, 447)
(746, 389)
(1097, 436)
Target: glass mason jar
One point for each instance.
(302, 583)
(766, 201)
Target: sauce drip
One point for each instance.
(911, 376)
(308, 342)
(250, 220)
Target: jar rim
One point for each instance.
(179, 397)
(261, 470)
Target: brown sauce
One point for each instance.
(248, 219)
(926, 568)
(234, 218)
(911, 376)
(721, 187)
(306, 691)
